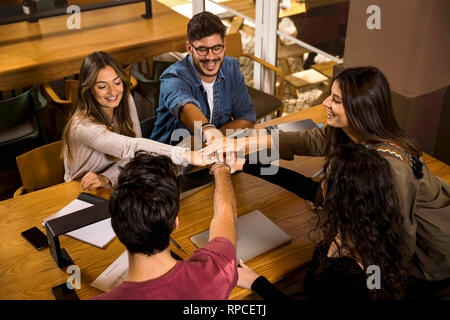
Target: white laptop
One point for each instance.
(256, 234)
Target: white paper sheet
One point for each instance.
(113, 275)
(98, 234)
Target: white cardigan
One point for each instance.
(91, 141)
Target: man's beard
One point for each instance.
(201, 72)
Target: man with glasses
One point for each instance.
(205, 87)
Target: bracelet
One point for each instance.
(218, 165)
(204, 126)
(207, 125)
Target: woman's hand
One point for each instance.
(246, 276)
(197, 158)
(211, 134)
(224, 145)
(92, 180)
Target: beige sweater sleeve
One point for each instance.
(112, 173)
(99, 138)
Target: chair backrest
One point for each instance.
(263, 105)
(41, 167)
(147, 126)
(72, 92)
(233, 45)
(15, 110)
(133, 81)
(159, 67)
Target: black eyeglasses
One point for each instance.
(203, 51)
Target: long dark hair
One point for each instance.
(366, 97)
(88, 107)
(360, 215)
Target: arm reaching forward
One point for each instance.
(223, 223)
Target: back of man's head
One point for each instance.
(145, 203)
(205, 24)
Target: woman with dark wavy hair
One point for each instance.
(104, 132)
(359, 219)
(359, 111)
(360, 225)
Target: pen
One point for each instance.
(177, 245)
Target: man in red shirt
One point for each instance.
(144, 212)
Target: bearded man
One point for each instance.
(206, 87)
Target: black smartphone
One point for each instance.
(36, 238)
(62, 292)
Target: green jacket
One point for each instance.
(424, 204)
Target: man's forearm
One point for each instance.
(223, 223)
(191, 113)
(236, 124)
(224, 195)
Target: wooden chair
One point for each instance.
(265, 104)
(284, 52)
(63, 106)
(40, 168)
(133, 81)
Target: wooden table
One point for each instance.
(30, 274)
(248, 8)
(35, 53)
(325, 68)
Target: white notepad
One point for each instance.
(98, 234)
(256, 234)
(113, 275)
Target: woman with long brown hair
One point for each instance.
(359, 111)
(103, 132)
(360, 227)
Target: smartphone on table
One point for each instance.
(62, 292)
(36, 238)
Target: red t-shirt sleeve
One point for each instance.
(217, 261)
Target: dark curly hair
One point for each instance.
(145, 203)
(360, 215)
